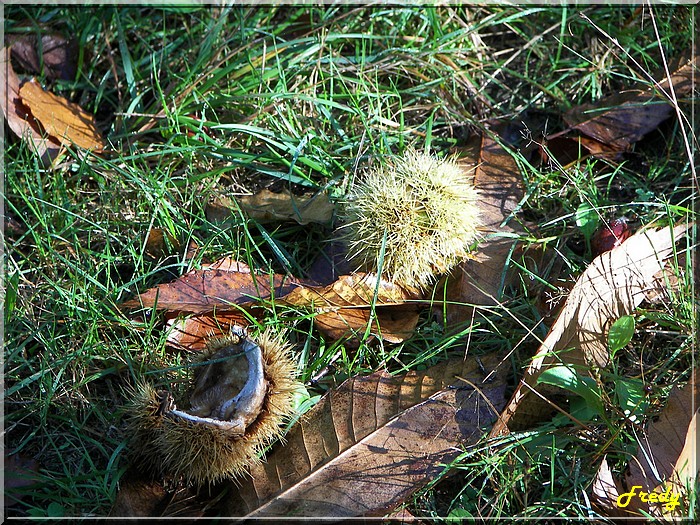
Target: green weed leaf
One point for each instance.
(631, 398)
(587, 219)
(566, 377)
(620, 333)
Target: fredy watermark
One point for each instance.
(670, 499)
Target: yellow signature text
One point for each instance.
(670, 499)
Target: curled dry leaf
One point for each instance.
(354, 302)
(368, 445)
(18, 116)
(613, 285)
(63, 120)
(269, 206)
(221, 286)
(606, 489)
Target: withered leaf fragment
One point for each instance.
(65, 121)
(368, 445)
(355, 302)
(612, 124)
(479, 280)
(221, 286)
(19, 117)
(58, 55)
(269, 206)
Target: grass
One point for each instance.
(202, 102)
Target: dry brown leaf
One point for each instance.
(192, 332)
(479, 281)
(348, 306)
(566, 150)
(621, 119)
(221, 286)
(20, 472)
(269, 206)
(605, 489)
(668, 447)
(18, 116)
(613, 285)
(63, 120)
(160, 243)
(139, 497)
(393, 324)
(367, 446)
(58, 55)
(357, 289)
(665, 464)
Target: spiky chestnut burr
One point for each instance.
(243, 391)
(425, 207)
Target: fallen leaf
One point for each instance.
(269, 206)
(160, 243)
(18, 115)
(58, 55)
(221, 286)
(63, 120)
(605, 490)
(19, 472)
(566, 150)
(354, 302)
(500, 185)
(358, 289)
(403, 515)
(331, 263)
(192, 332)
(666, 462)
(371, 443)
(668, 447)
(480, 280)
(613, 285)
(140, 497)
(192, 249)
(620, 119)
(615, 122)
(393, 324)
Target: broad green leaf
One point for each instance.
(587, 219)
(631, 398)
(621, 333)
(566, 377)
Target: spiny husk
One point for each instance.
(203, 454)
(426, 207)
